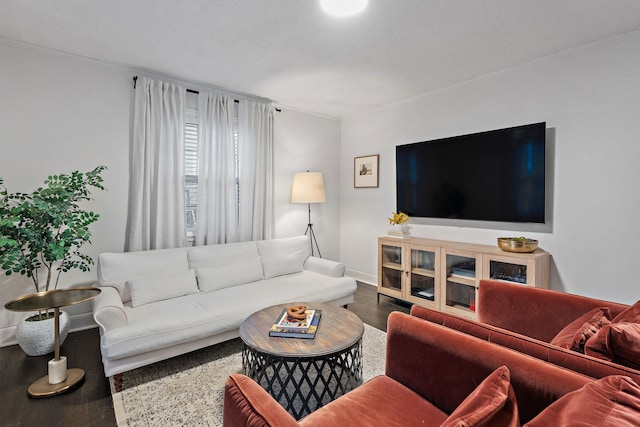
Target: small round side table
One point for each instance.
(44, 301)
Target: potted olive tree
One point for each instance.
(40, 237)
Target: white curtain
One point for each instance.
(217, 194)
(255, 147)
(156, 217)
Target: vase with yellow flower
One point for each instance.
(399, 226)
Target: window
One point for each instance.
(191, 165)
(191, 179)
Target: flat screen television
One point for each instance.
(498, 175)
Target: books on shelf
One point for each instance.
(426, 294)
(285, 327)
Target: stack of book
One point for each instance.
(288, 327)
(397, 233)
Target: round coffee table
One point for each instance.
(304, 374)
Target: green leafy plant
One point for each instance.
(42, 232)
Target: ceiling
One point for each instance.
(291, 52)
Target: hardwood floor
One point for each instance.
(91, 404)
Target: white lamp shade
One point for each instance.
(308, 187)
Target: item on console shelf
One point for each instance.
(304, 333)
(517, 244)
(464, 270)
(428, 294)
(403, 234)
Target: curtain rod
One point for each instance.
(135, 81)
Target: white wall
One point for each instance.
(589, 99)
(60, 113)
(307, 142)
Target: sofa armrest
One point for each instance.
(108, 310)
(534, 312)
(324, 266)
(248, 404)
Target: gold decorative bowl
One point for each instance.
(517, 244)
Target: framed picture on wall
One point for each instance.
(365, 171)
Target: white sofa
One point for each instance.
(161, 303)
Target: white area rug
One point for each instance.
(188, 390)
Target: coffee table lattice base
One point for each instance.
(303, 384)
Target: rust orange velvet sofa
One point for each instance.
(527, 320)
(431, 373)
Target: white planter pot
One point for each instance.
(38, 338)
(399, 230)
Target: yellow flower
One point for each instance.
(398, 218)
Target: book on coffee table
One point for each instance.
(308, 332)
(287, 322)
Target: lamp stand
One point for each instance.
(312, 236)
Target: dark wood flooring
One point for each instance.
(90, 404)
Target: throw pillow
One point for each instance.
(215, 278)
(148, 289)
(631, 314)
(279, 265)
(492, 403)
(617, 342)
(612, 401)
(575, 334)
(116, 268)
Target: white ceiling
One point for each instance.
(291, 52)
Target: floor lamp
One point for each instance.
(308, 187)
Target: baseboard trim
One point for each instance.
(369, 279)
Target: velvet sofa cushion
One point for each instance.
(578, 362)
(418, 349)
(575, 334)
(613, 401)
(381, 401)
(534, 312)
(492, 404)
(631, 314)
(617, 342)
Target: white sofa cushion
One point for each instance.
(242, 271)
(116, 268)
(148, 289)
(221, 255)
(282, 264)
(205, 314)
(285, 246)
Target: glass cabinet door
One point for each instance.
(460, 283)
(422, 286)
(391, 269)
(509, 272)
(514, 269)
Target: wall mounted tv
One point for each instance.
(498, 175)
